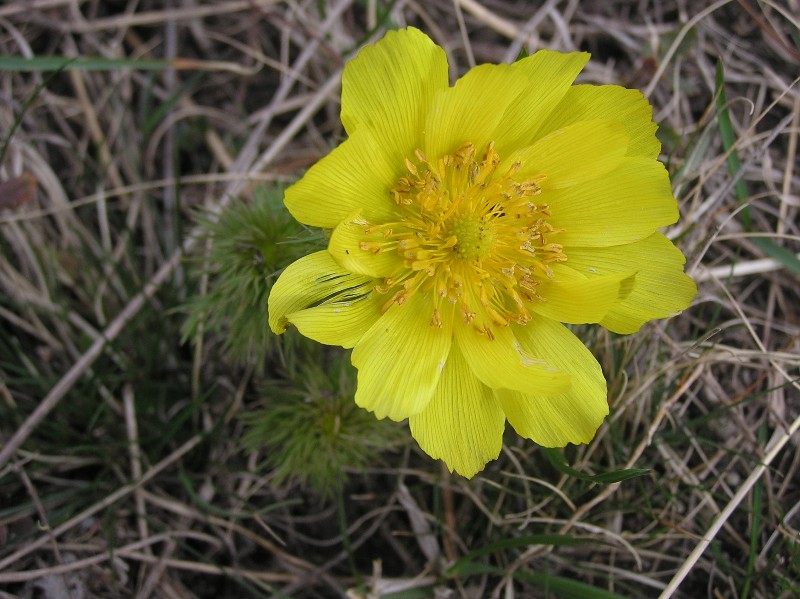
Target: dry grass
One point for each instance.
(121, 468)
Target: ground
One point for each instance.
(159, 441)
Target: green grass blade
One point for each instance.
(157, 114)
(766, 245)
(208, 508)
(565, 588)
(728, 142)
(779, 253)
(28, 102)
(57, 63)
(755, 524)
(425, 592)
(559, 462)
(465, 563)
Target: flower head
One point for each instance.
(469, 222)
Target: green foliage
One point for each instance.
(312, 429)
(309, 425)
(559, 462)
(728, 136)
(563, 587)
(248, 246)
(523, 53)
(468, 562)
(23, 64)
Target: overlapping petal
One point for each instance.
(463, 423)
(356, 176)
(660, 288)
(400, 359)
(569, 417)
(389, 87)
(572, 297)
(325, 302)
(598, 146)
(626, 205)
(371, 259)
(550, 75)
(499, 361)
(626, 106)
(471, 110)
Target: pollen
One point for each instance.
(470, 236)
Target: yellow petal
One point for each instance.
(361, 253)
(572, 297)
(389, 87)
(499, 361)
(573, 155)
(660, 288)
(569, 417)
(471, 110)
(626, 205)
(400, 359)
(463, 424)
(341, 322)
(354, 176)
(549, 76)
(326, 303)
(627, 106)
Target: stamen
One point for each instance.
(467, 234)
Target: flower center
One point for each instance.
(474, 237)
(468, 236)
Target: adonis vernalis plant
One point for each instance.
(468, 224)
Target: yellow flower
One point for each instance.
(468, 223)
